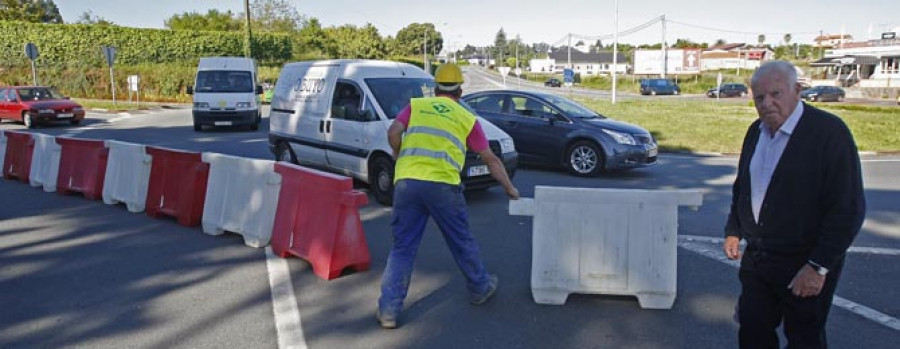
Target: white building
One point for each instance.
(586, 64)
(874, 63)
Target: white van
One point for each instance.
(225, 93)
(335, 114)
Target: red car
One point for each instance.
(33, 105)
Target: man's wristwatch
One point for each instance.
(818, 268)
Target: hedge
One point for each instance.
(67, 43)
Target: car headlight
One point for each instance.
(242, 105)
(46, 111)
(201, 105)
(621, 138)
(507, 145)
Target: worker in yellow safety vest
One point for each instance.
(429, 139)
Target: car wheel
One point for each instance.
(198, 128)
(743, 93)
(26, 119)
(653, 93)
(675, 93)
(285, 153)
(381, 180)
(840, 98)
(584, 159)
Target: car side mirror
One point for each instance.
(190, 90)
(259, 89)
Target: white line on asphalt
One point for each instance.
(287, 315)
(699, 245)
(735, 158)
(490, 80)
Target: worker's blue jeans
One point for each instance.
(414, 202)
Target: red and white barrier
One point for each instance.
(127, 175)
(17, 162)
(82, 166)
(2, 146)
(44, 162)
(241, 197)
(177, 185)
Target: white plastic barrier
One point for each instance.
(605, 241)
(44, 162)
(2, 147)
(241, 197)
(127, 175)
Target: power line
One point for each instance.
(737, 31)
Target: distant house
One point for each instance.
(582, 63)
(734, 56)
(832, 40)
(873, 63)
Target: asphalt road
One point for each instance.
(78, 273)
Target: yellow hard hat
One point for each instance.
(448, 73)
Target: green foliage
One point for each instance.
(409, 40)
(65, 43)
(35, 11)
(88, 17)
(275, 16)
(356, 42)
(213, 20)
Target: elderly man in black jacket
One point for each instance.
(798, 202)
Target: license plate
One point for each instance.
(65, 115)
(478, 170)
(652, 152)
(223, 123)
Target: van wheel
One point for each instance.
(285, 153)
(255, 125)
(198, 128)
(381, 180)
(584, 159)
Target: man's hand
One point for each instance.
(732, 247)
(513, 193)
(807, 282)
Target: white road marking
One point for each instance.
(287, 315)
(734, 158)
(700, 245)
(490, 80)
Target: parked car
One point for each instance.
(553, 82)
(34, 105)
(552, 130)
(728, 90)
(659, 87)
(823, 94)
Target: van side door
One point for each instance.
(345, 140)
(298, 113)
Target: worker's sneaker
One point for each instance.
(492, 288)
(386, 320)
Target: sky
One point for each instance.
(476, 22)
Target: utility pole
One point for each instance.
(615, 53)
(425, 49)
(570, 51)
(665, 58)
(248, 50)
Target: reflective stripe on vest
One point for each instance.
(433, 147)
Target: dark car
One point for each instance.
(34, 105)
(659, 87)
(553, 82)
(556, 131)
(728, 90)
(823, 94)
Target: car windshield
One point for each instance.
(39, 94)
(393, 94)
(658, 82)
(224, 81)
(571, 108)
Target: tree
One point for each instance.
(88, 17)
(685, 43)
(35, 11)
(356, 42)
(409, 39)
(275, 16)
(313, 41)
(787, 39)
(213, 20)
(500, 42)
(761, 39)
(720, 42)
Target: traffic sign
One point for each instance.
(31, 51)
(133, 81)
(503, 70)
(568, 75)
(110, 53)
(518, 71)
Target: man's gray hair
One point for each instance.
(783, 68)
